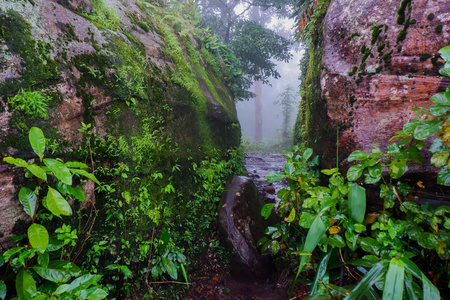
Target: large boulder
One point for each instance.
(118, 66)
(372, 63)
(241, 221)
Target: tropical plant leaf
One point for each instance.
(443, 176)
(357, 155)
(59, 169)
(57, 271)
(409, 287)
(291, 216)
(25, 285)
(38, 236)
(93, 293)
(430, 292)
(85, 174)
(267, 210)
(76, 164)
(445, 53)
(2, 290)
(37, 141)
(397, 168)
(322, 269)
(28, 199)
(374, 274)
(37, 171)
(56, 203)
(355, 172)
(15, 161)
(394, 283)
(170, 267)
(83, 282)
(274, 176)
(357, 202)
(43, 259)
(426, 129)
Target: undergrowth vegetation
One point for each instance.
(400, 251)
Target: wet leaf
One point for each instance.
(439, 159)
(334, 229)
(357, 202)
(357, 155)
(427, 240)
(59, 170)
(274, 176)
(267, 210)
(426, 129)
(25, 285)
(397, 168)
(443, 176)
(56, 203)
(38, 236)
(28, 199)
(291, 216)
(37, 141)
(394, 282)
(16, 161)
(355, 172)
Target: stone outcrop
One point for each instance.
(378, 60)
(111, 64)
(241, 221)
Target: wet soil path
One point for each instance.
(216, 283)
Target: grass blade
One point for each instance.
(394, 283)
(357, 202)
(377, 271)
(322, 270)
(430, 292)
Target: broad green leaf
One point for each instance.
(375, 170)
(438, 110)
(330, 171)
(289, 168)
(426, 129)
(307, 154)
(445, 53)
(275, 246)
(397, 168)
(357, 155)
(37, 171)
(430, 292)
(355, 172)
(336, 241)
(16, 161)
(59, 169)
(374, 274)
(306, 220)
(408, 128)
(83, 282)
(57, 271)
(443, 176)
(76, 164)
(77, 192)
(53, 244)
(322, 269)
(56, 203)
(394, 283)
(2, 290)
(427, 240)
(291, 216)
(439, 159)
(315, 234)
(274, 176)
(37, 141)
(440, 99)
(371, 180)
(10, 252)
(267, 210)
(357, 202)
(370, 245)
(61, 289)
(85, 174)
(43, 259)
(93, 293)
(28, 200)
(25, 285)
(409, 287)
(170, 267)
(38, 236)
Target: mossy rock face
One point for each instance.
(110, 66)
(366, 85)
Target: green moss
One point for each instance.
(387, 56)
(435, 61)
(430, 17)
(425, 56)
(351, 99)
(355, 34)
(353, 71)
(38, 68)
(378, 69)
(401, 11)
(376, 30)
(399, 48)
(401, 35)
(413, 21)
(358, 80)
(381, 47)
(438, 28)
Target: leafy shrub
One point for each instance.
(34, 104)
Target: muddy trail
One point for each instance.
(216, 281)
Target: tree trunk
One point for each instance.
(258, 111)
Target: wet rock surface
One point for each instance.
(258, 165)
(240, 219)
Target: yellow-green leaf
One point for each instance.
(37, 141)
(16, 161)
(37, 171)
(28, 200)
(59, 169)
(291, 216)
(57, 204)
(38, 236)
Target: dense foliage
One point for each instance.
(383, 253)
